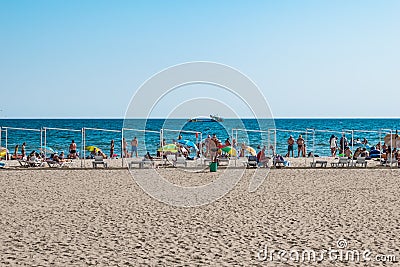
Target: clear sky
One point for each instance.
(310, 58)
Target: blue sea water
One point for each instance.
(149, 141)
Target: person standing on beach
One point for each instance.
(301, 146)
(134, 145)
(213, 148)
(290, 143)
(72, 150)
(15, 156)
(343, 144)
(112, 146)
(333, 145)
(124, 148)
(242, 149)
(23, 150)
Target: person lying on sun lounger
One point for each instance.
(56, 158)
(100, 153)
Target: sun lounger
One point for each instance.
(343, 162)
(361, 161)
(171, 159)
(320, 163)
(200, 161)
(52, 163)
(279, 163)
(36, 163)
(142, 163)
(223, 160)
(61, 164)
(135, 162)
(251, 162)
(98, 160)
(174, 160)
(180, 160)
(67, 163)
(33, 162)
(390, 162)
(23, 163)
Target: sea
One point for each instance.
(58, 133)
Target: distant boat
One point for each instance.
(212, 118)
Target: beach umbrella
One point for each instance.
(188, 143)
(92, 148)
(390, 140)
(230, 150)
(251, 150)
(47, 149)
(169, 148)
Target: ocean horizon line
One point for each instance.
(181, 118)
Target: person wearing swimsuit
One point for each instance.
(134, 146)
(300, 146)
(23, 150)
(112, 145)
(290, 143)
(72, 150)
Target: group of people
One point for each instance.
(343, 147)
(301, 146)
(126, 154)
(213, 145)
(41, 154)
(23, 152)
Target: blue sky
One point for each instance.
(309, 58)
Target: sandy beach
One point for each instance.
(102, 217)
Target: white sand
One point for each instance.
(101, 217)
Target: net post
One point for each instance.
(6, 142)
(122, 145)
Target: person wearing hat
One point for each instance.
(301, 148)
(290, 143)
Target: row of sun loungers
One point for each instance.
(172, 160)
(251, 162)
(346, 162)
(156, 162)
(40, 163)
